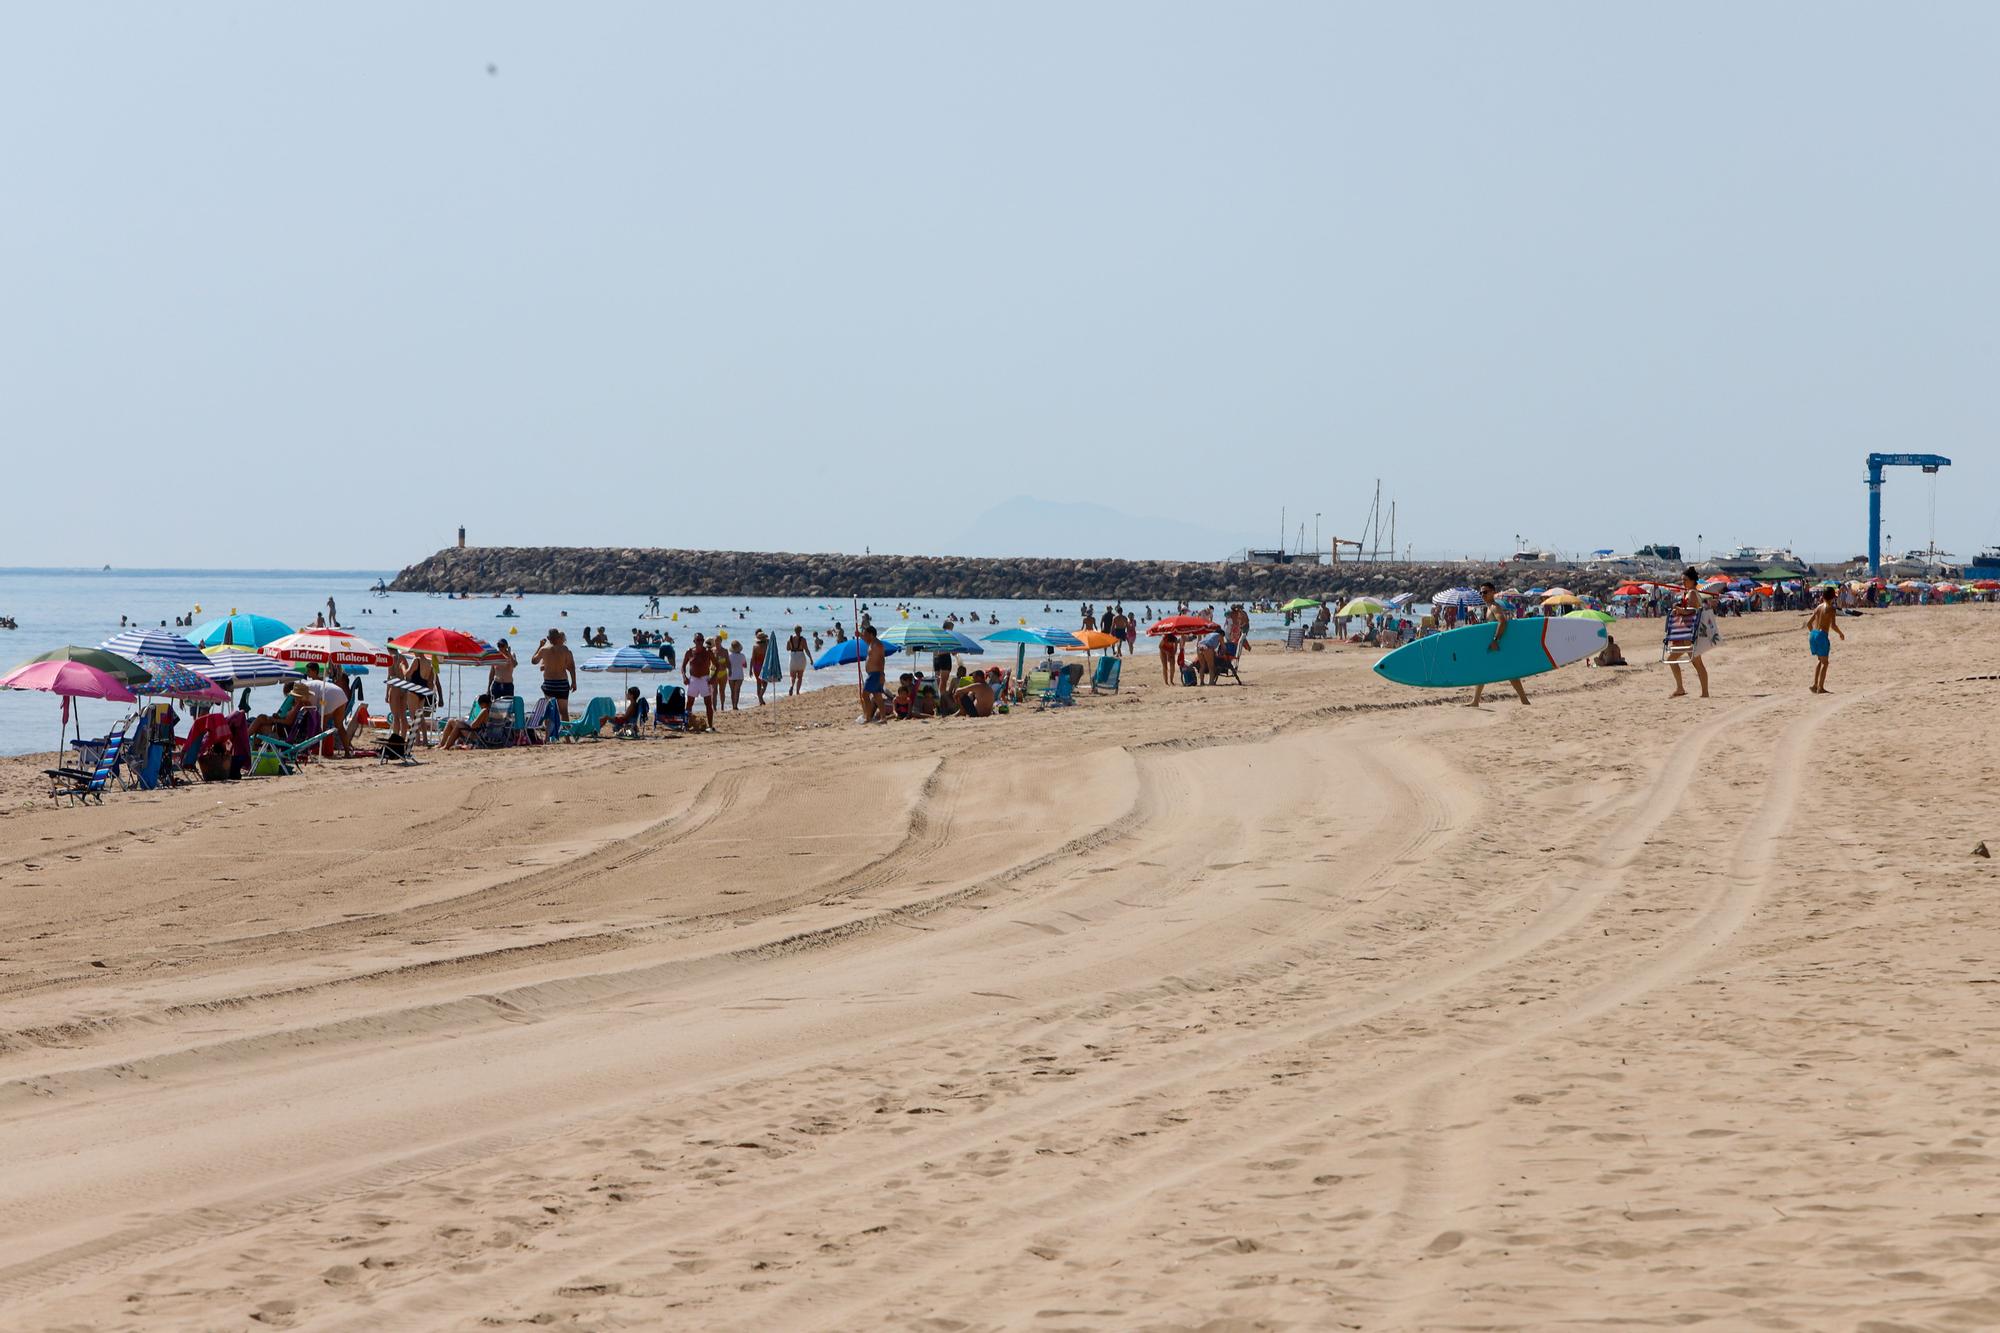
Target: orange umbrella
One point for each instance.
(1089, 640)
(1765, 590)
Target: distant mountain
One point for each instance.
(1026, 526)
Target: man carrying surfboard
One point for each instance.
(1500, 619)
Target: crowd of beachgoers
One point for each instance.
(904, 669)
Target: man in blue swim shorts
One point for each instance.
(874, 703)
(1824, 618)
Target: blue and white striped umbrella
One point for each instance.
(626, 658)
(1457, 597)
(241, 669)
(163, 644)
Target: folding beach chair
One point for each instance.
(1105, 680)
(1682, 626)
(670, 711)
(1295, 639)
(595, 714)
(287, 757)
(80, 786)
(1062, 694)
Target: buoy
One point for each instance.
(232, 610)
(677, 615)
(513, 629)
(197, 606)
(1023, 620)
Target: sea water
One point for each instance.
(55, 607)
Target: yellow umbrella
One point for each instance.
(1561, 599)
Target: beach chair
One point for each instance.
(1105, 680)
(1295, 639)
(1035, 683)
(670, 712)
(77, 785)
(595, 714)
(288, 755)
(637, 727)
(544, 721)
(1061, 694)
(1678, 645)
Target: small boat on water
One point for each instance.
(7, 622)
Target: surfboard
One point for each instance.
(1531, 645)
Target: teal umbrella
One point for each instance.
(245, 631)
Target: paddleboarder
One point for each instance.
(1500, 618)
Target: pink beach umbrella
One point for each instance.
(71, 680)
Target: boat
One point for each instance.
(1985, 565)
(1755, 559)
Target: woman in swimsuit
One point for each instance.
(796, 646)
(1690, 599)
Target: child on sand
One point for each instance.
(1824, 617)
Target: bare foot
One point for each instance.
(1677, 694)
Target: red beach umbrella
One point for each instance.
(447, 645)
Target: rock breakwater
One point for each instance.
(639, 571)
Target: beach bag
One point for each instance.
(1189, 677)
(395, 746)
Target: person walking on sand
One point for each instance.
(1689, 600)
(697, 667)
(1824, 617)
(796, 666)
(1500, 619)
(737, 664)
(558, 666)
(874, 701)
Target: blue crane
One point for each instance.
(1876, 462)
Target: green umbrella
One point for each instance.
(125, 669)
(1298, 604)
(1604, 616)
(1363, 606)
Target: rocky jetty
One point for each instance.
(642, 572)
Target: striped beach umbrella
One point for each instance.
(162, 644)
(241, 669)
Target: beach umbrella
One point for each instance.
(446, 645)
(240, 669)
(1562, 598)
(625, 660)
(1533, 592)
(1090, 640)
(1765, 590)
(1363, 606)
(244, 631)
(1299, 604)
(1183, 625)
(171, 680)
(1557, 592)
(1604, 616)
(70, 680)
(1047, 636)
(327, 645)
(157, 643)
(1401, 601)
(921, 636)
(844, 653)
(1630, 590)
(1460, 597)
(123, 668)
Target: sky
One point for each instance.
(310, 286)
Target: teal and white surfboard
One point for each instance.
(1465, 656)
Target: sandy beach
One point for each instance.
(1313, 1003)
